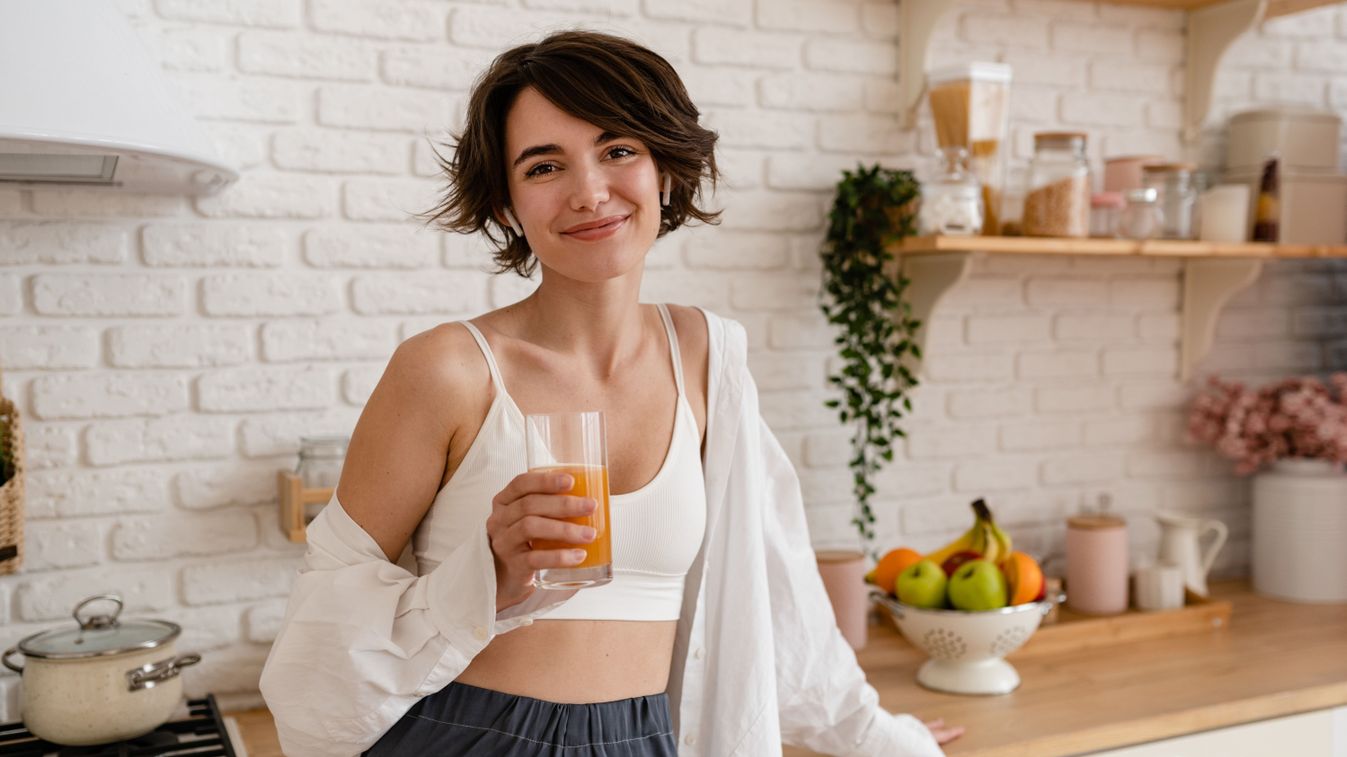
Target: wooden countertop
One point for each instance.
(1274, 659)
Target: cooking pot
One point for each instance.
(103, 681)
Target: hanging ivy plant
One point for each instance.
(874, 207)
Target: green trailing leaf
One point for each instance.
(871, 210)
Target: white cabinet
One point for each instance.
(1322, 733)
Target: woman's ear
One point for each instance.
(514, 222)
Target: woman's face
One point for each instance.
(588, 200)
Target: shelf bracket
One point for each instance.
(1211, 31)
(916, 20)
(931, 277)
(1208, 283)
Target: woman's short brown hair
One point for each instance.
(608, 81)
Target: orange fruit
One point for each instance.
(1024, 577)
(890, 565)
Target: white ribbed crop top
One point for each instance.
(657, 529)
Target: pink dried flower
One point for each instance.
(1294, 417)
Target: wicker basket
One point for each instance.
(11, 490)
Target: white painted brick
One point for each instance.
(1160, 46)
(81, 493)
(995, 475)
(178, 437)
(741, 128)
(904, 479)
(1296, 289)
(272, 196)
(205, 50)
(1244, 325)
(107, 395)
(327, 151)
(1098, 109)
(278, 433)
(1319, 321)
(465, 251)
(821, 487)
(54, 546)
(993, 329)
(263, 621)
(810, 91)
(499, 28)
(1039, 435)
(1058, 10)
(387, 199)
(1093, 327)
(250, 390)
(1231, 358)
(11, 298)
(1288, 356)
(879, 20)
(864, 133)
(1164, 115)
(49, 446)
(142, 590)
(719, 85)
(950, 441)
(109, 294)
(989, 403)
(882, 96)
(48, 242)
(1297, 88)
(796, 411)
(238, 580)
(739, 169)
(773, 211)
(211, 486)
(274, 13)
(251, 100)
(1153, 396)
(326, 339)
(99, 203)
(973, 367)
(509, 288)
(1073, 399)
(737, 48)
(420, 293)
(1159, 327)
(736, 250)
(401, 246)
(1135, 430)
(944, 333)
(731, 12)
(1314, 23)
(11, 202)
(357, 384)
(249, 294)
(851, 56)
(11, 694)
(1081, 469)
(1012, 31)
(207, 629)
(1062, 364)
(599, 7)
(214, 244)
(828, 448)
(1034, 104)
(168, 536)
(1056, 69)
(231, 675)
(788, 331)
(1145, 294)
(1168, 463)
(305, 57)
(48, 347)
(1141, 361)
(983, 294)
(393, 19)
(379, 108)
(1132, 76)
(1142, 17)
(936, 514)
(436, 67)
(813, 16)
(1095, 39)
(772, 372)
(179, 345)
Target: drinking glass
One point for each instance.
(574, 443)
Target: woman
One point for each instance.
(579, 152)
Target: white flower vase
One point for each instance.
(1299, 528)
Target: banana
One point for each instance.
(1000, 543)
(985, 538)
(963, 543)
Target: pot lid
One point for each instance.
(99, 635)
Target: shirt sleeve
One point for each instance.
(825, 702)
(363, 638)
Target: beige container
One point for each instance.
(970, 104)
(843, 576)
(1313, 206)
(1096, 564)
(1306, 139)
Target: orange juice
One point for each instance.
(590, 481)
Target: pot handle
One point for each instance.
(8, 664)
(152, 674)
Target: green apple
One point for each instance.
(977, 585)
(922, 584)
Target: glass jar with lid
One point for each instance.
(1057, 198)
(320, 461)
(1176, 189)
(951, 202)
(1140, 217)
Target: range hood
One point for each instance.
(81, 103)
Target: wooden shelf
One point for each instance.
(1213, 273)
(293, 498)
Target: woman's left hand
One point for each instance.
(943, 733)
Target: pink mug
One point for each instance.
(1096, 564)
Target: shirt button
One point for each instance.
(690, 740)
(699, 654)
(480, 633)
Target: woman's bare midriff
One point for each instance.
(577, 661)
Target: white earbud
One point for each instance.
(514, 222)
(667, 193)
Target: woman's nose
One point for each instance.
(590, 189)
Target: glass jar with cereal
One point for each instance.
(1057, 199)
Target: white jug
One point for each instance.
(1179, 544)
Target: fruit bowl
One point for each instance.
(966, 648)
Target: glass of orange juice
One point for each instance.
(574, 443)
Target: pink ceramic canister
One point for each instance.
(1096, 564)
(843, 576)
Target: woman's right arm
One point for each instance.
(363, 639)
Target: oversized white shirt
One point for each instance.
(758, 658)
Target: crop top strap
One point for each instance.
(486, 352)
(673, 346)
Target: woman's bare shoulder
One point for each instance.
(443, 365)
(693, 340)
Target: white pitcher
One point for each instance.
(1180, 537)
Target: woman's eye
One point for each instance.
(621, 152)
(540, 170)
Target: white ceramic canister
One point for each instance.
(1299, 525)
(102, 681)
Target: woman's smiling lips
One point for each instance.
(592, 230)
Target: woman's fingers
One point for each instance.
(943, 734)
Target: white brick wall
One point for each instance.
(169, 353)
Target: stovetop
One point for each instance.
(201, 734)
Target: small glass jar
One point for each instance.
(1176, 191)
(951, 203)
(1057, 199)
(1105, 210)
(320, 461)
(1140, 218)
